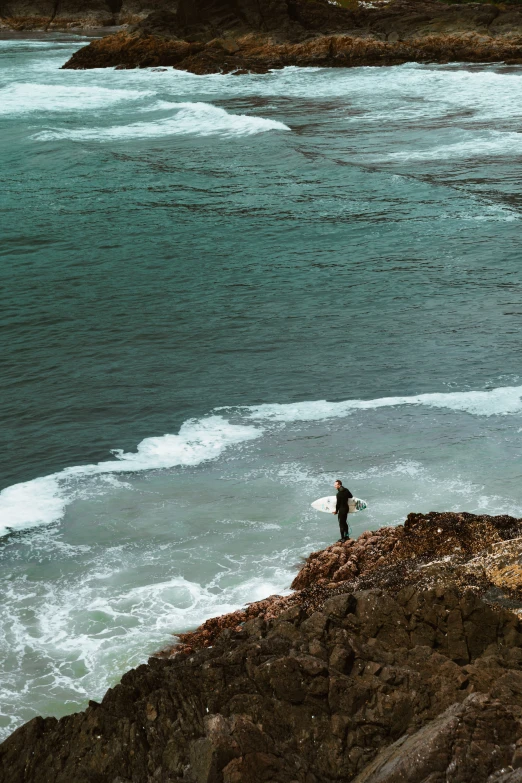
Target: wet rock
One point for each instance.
(503, 564)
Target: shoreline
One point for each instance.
(389, 558)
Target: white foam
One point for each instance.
(29, 97)
(31, 503)
(493, 143)
(199, 119)
(85, 633)
(501, 401)
(43, 500)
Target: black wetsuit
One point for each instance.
(341, 509)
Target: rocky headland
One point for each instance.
(255, 36)
(397, 659)
(250, 36)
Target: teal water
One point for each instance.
(243, 288)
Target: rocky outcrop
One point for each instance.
(399, 660)
(251, 55)
(53, 14)
(188, 19)
(430, 551)
(238, 36)
(405, 552)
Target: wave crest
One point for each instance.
(199, 119)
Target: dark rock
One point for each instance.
(340, 605)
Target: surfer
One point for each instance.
(341, 509)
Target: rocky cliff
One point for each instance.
(398, 659)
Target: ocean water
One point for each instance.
(219, 294)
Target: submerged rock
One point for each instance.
(398, 660)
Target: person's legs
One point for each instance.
(342, 516)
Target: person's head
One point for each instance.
(338, 484)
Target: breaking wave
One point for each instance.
(200, 119)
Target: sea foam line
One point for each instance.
(500, 401)
(475, 146)
(29, 97)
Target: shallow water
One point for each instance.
(188, 263)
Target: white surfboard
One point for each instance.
(328, 504)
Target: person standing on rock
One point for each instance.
(342, 510)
